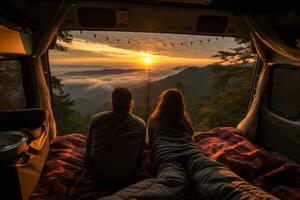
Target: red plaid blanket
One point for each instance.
(254, 164)
(65, 177)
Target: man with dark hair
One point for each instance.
(115, 141)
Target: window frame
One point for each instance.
(27, 79)
(256, 73)
(270, 90)
(47, 74)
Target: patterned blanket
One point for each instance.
(227, 146)
(64, 176)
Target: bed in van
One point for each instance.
(260, 156)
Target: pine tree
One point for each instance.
(238, 55)
(61, 36)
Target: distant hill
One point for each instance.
(100, 72)
(183, 67)
(191, 80)
(215, 95)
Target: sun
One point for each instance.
(148, 60)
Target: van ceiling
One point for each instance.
(211, 17)
(151, 18)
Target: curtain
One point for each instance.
(45, 36)
(29, 175)
(248, 125)
(268, 36)
(265, 43)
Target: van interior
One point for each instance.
(236, 62)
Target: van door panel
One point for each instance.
(279, 134)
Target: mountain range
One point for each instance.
(192, 80)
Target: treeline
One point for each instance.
(68, 120)
(226, 102)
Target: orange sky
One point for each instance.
(130, 49)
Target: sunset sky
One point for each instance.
(131, 50)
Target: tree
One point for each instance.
(62, 102)
(67, 119)
(238, 55)
(61, 36)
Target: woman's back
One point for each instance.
(179, 131)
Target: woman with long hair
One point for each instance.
(170, 118)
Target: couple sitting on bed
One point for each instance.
(115, 147)
(116, 138)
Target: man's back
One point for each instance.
(115, 146)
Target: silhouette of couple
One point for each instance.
(117, 138)
(115, 145)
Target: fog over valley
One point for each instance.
(91, 86)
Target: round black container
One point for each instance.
(12, 144)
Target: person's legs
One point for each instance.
(170, 184)
(211, 180)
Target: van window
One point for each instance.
(214, 74)
(11, 85)
(285, 95)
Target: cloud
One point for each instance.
(86, 49)
(87, 87)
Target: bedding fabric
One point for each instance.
(179, 164)
(64, 176)
(227, 146)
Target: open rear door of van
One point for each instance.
(25, 109)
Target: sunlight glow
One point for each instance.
(148, 60)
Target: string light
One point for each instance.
(172, 44)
